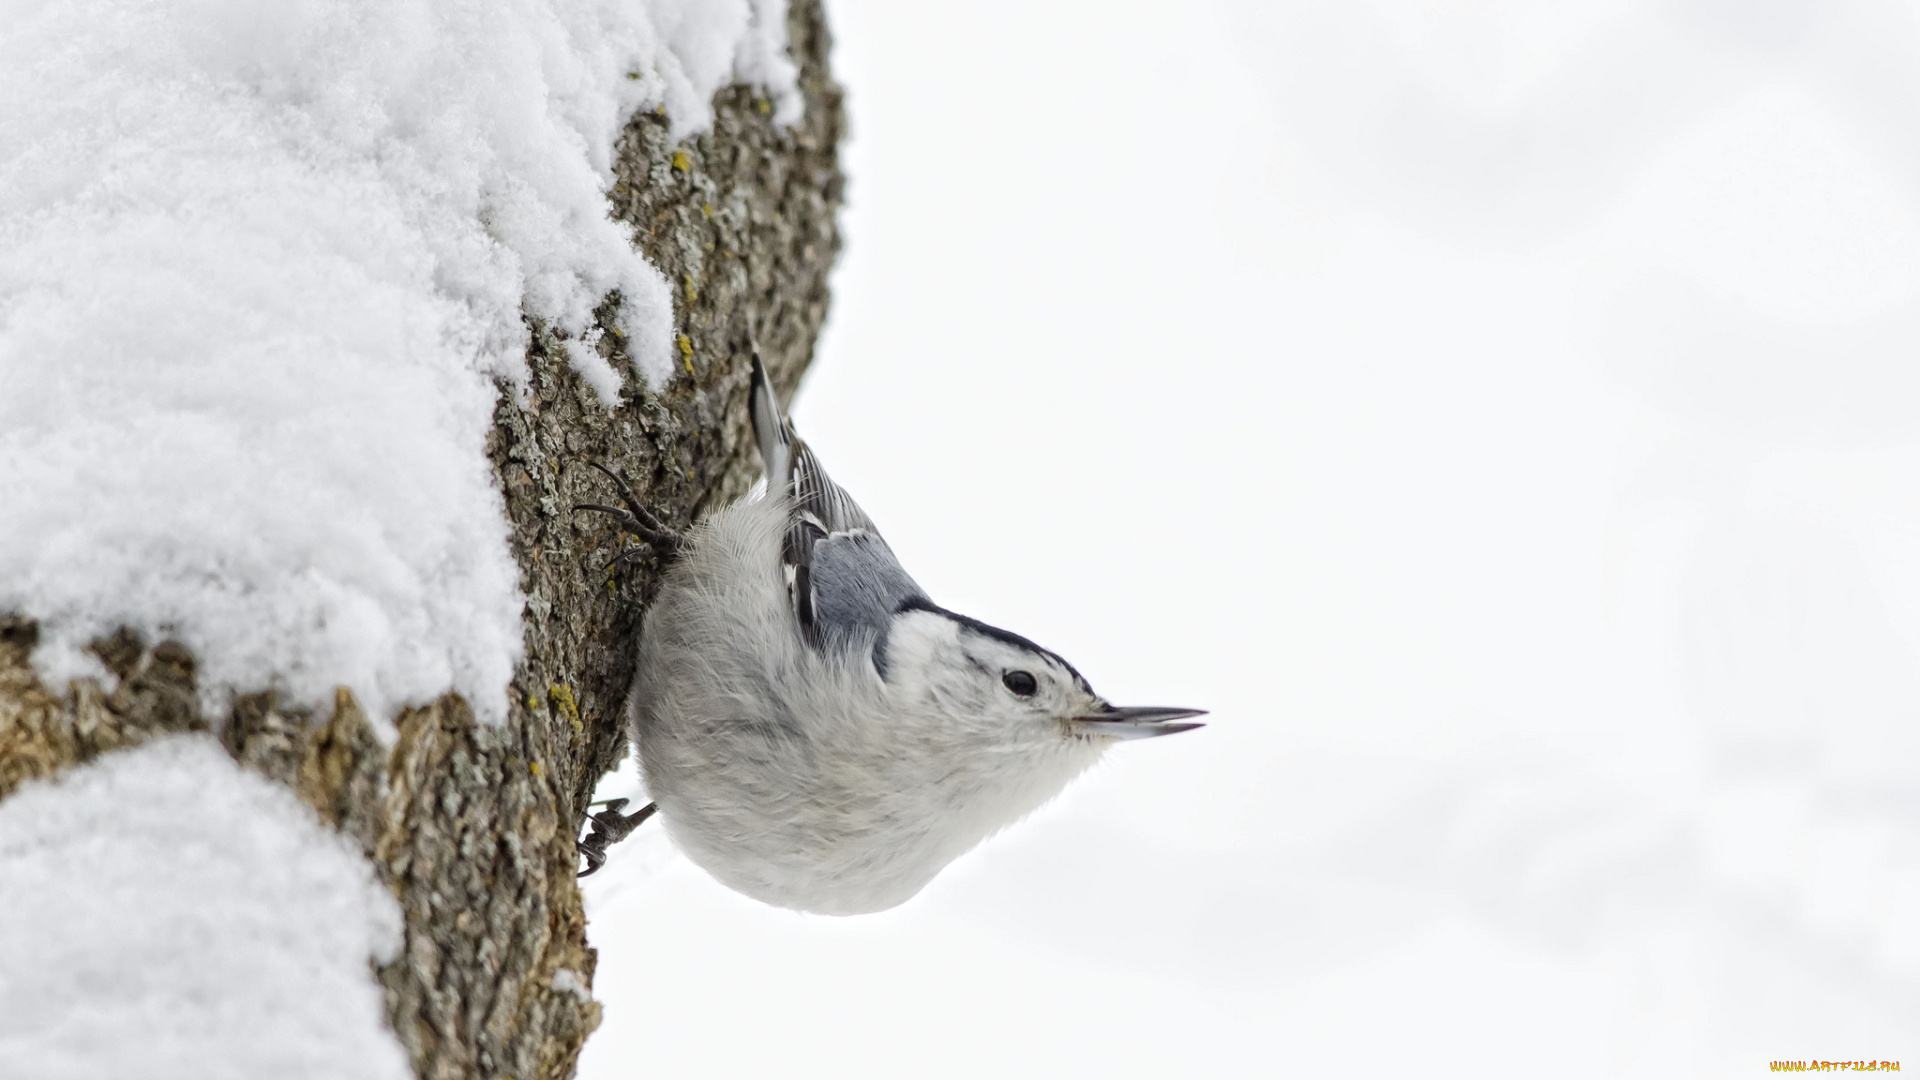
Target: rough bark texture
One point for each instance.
(473, 826)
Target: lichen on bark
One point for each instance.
(472, 825)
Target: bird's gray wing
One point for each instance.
(857, 588)
(842, 578)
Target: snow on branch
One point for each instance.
(260, 267)
(169, 914)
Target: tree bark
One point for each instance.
(473, 826)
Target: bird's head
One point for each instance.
(1003, 685)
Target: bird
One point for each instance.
(815, 732)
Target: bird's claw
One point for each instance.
(635, 517)
(609, 826)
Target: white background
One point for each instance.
(1503, 416)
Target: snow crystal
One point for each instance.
(259, 267)
(169, 914)
(568, 981)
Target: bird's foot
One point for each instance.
(609, 826)
(635, 518)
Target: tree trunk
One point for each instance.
(472, 826)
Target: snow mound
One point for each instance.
(259, 267)
(169, 914)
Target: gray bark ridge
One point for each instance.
(472, 826)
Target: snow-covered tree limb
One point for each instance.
(471, 824)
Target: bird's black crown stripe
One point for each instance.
(921, 603)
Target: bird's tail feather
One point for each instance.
(770, 429)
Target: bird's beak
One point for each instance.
(1138, 722)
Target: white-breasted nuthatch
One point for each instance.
(815, 731)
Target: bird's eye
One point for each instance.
(1021, 682)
